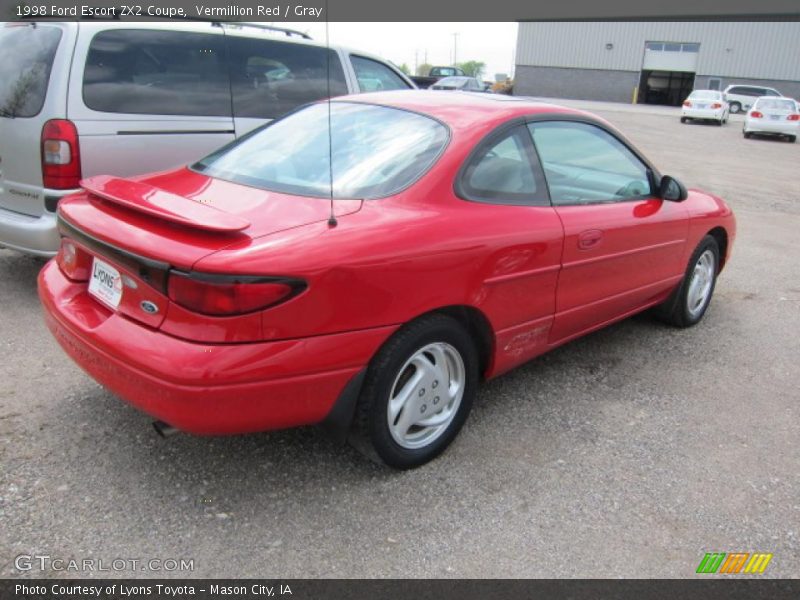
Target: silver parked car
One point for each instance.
(773, 116)
(464, 84)
(84, 98)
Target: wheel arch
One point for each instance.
(721, 236)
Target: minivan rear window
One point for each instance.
(26, 59)
(157, 73)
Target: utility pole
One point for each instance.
(455, 49)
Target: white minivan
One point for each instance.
(85, 98)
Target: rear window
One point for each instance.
(377, 151)
(26, 59)
(705, 95)
(774, 104)
(271, 78)
(157, 73)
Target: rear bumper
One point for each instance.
(705, 113)
(31, 235)
(773, 127)
(204, 388)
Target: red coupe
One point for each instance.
(364, 263)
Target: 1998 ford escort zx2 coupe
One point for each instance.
(451, 238)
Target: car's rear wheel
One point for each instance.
(792, 139)
(735, 107)
(684, 119)
(417, 393)
(689, 302)
(747, 134)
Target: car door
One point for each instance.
(623, 246)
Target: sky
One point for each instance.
(409, 43)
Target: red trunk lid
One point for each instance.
(180, 216)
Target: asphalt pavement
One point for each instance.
(628, 453)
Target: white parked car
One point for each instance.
(706, 105)
(773, 116)
(741, 97)
(96, 97)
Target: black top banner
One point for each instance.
(407, 10)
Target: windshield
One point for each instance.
(377, 151)
(26, 57)
(705, 95)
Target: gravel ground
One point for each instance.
(629, 453)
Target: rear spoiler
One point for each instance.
(148, 199)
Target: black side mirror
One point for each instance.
(671, 189)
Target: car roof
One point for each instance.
(461, 111)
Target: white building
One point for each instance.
(656, 62)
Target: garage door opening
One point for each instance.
(669, 88)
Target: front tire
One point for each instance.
(689, 302)
(735, 107)
(418, 391)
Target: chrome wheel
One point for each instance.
(701, 284)
(426, 395)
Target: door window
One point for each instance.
(584, 164)
(157, 73)
(26, 58)
(374, 76)
(270, 78)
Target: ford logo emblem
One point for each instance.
(149, 307)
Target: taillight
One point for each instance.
(756, 115)
(793, 118)
(687, 104)
(61, 156)
(716, 105)
(221, 295)
(73, 262)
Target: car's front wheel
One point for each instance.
(417, 393)
(735, 107)
(688, 303)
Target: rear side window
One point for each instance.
(26, 59)
(504, 171)
(270, 78)
(374, 76)
(157, 73)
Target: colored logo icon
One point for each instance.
(734, 562)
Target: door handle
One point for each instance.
(589, 239)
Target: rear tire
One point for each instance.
(417, 393)
(684, 119)
(792, 139)
(689, 302)
(747, 134)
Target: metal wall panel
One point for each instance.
(761, 50)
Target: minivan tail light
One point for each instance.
(61, 156)
(225, 295)
(756, 115)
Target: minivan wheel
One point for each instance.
(734, 108)
(688, 303)
(417, 393)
